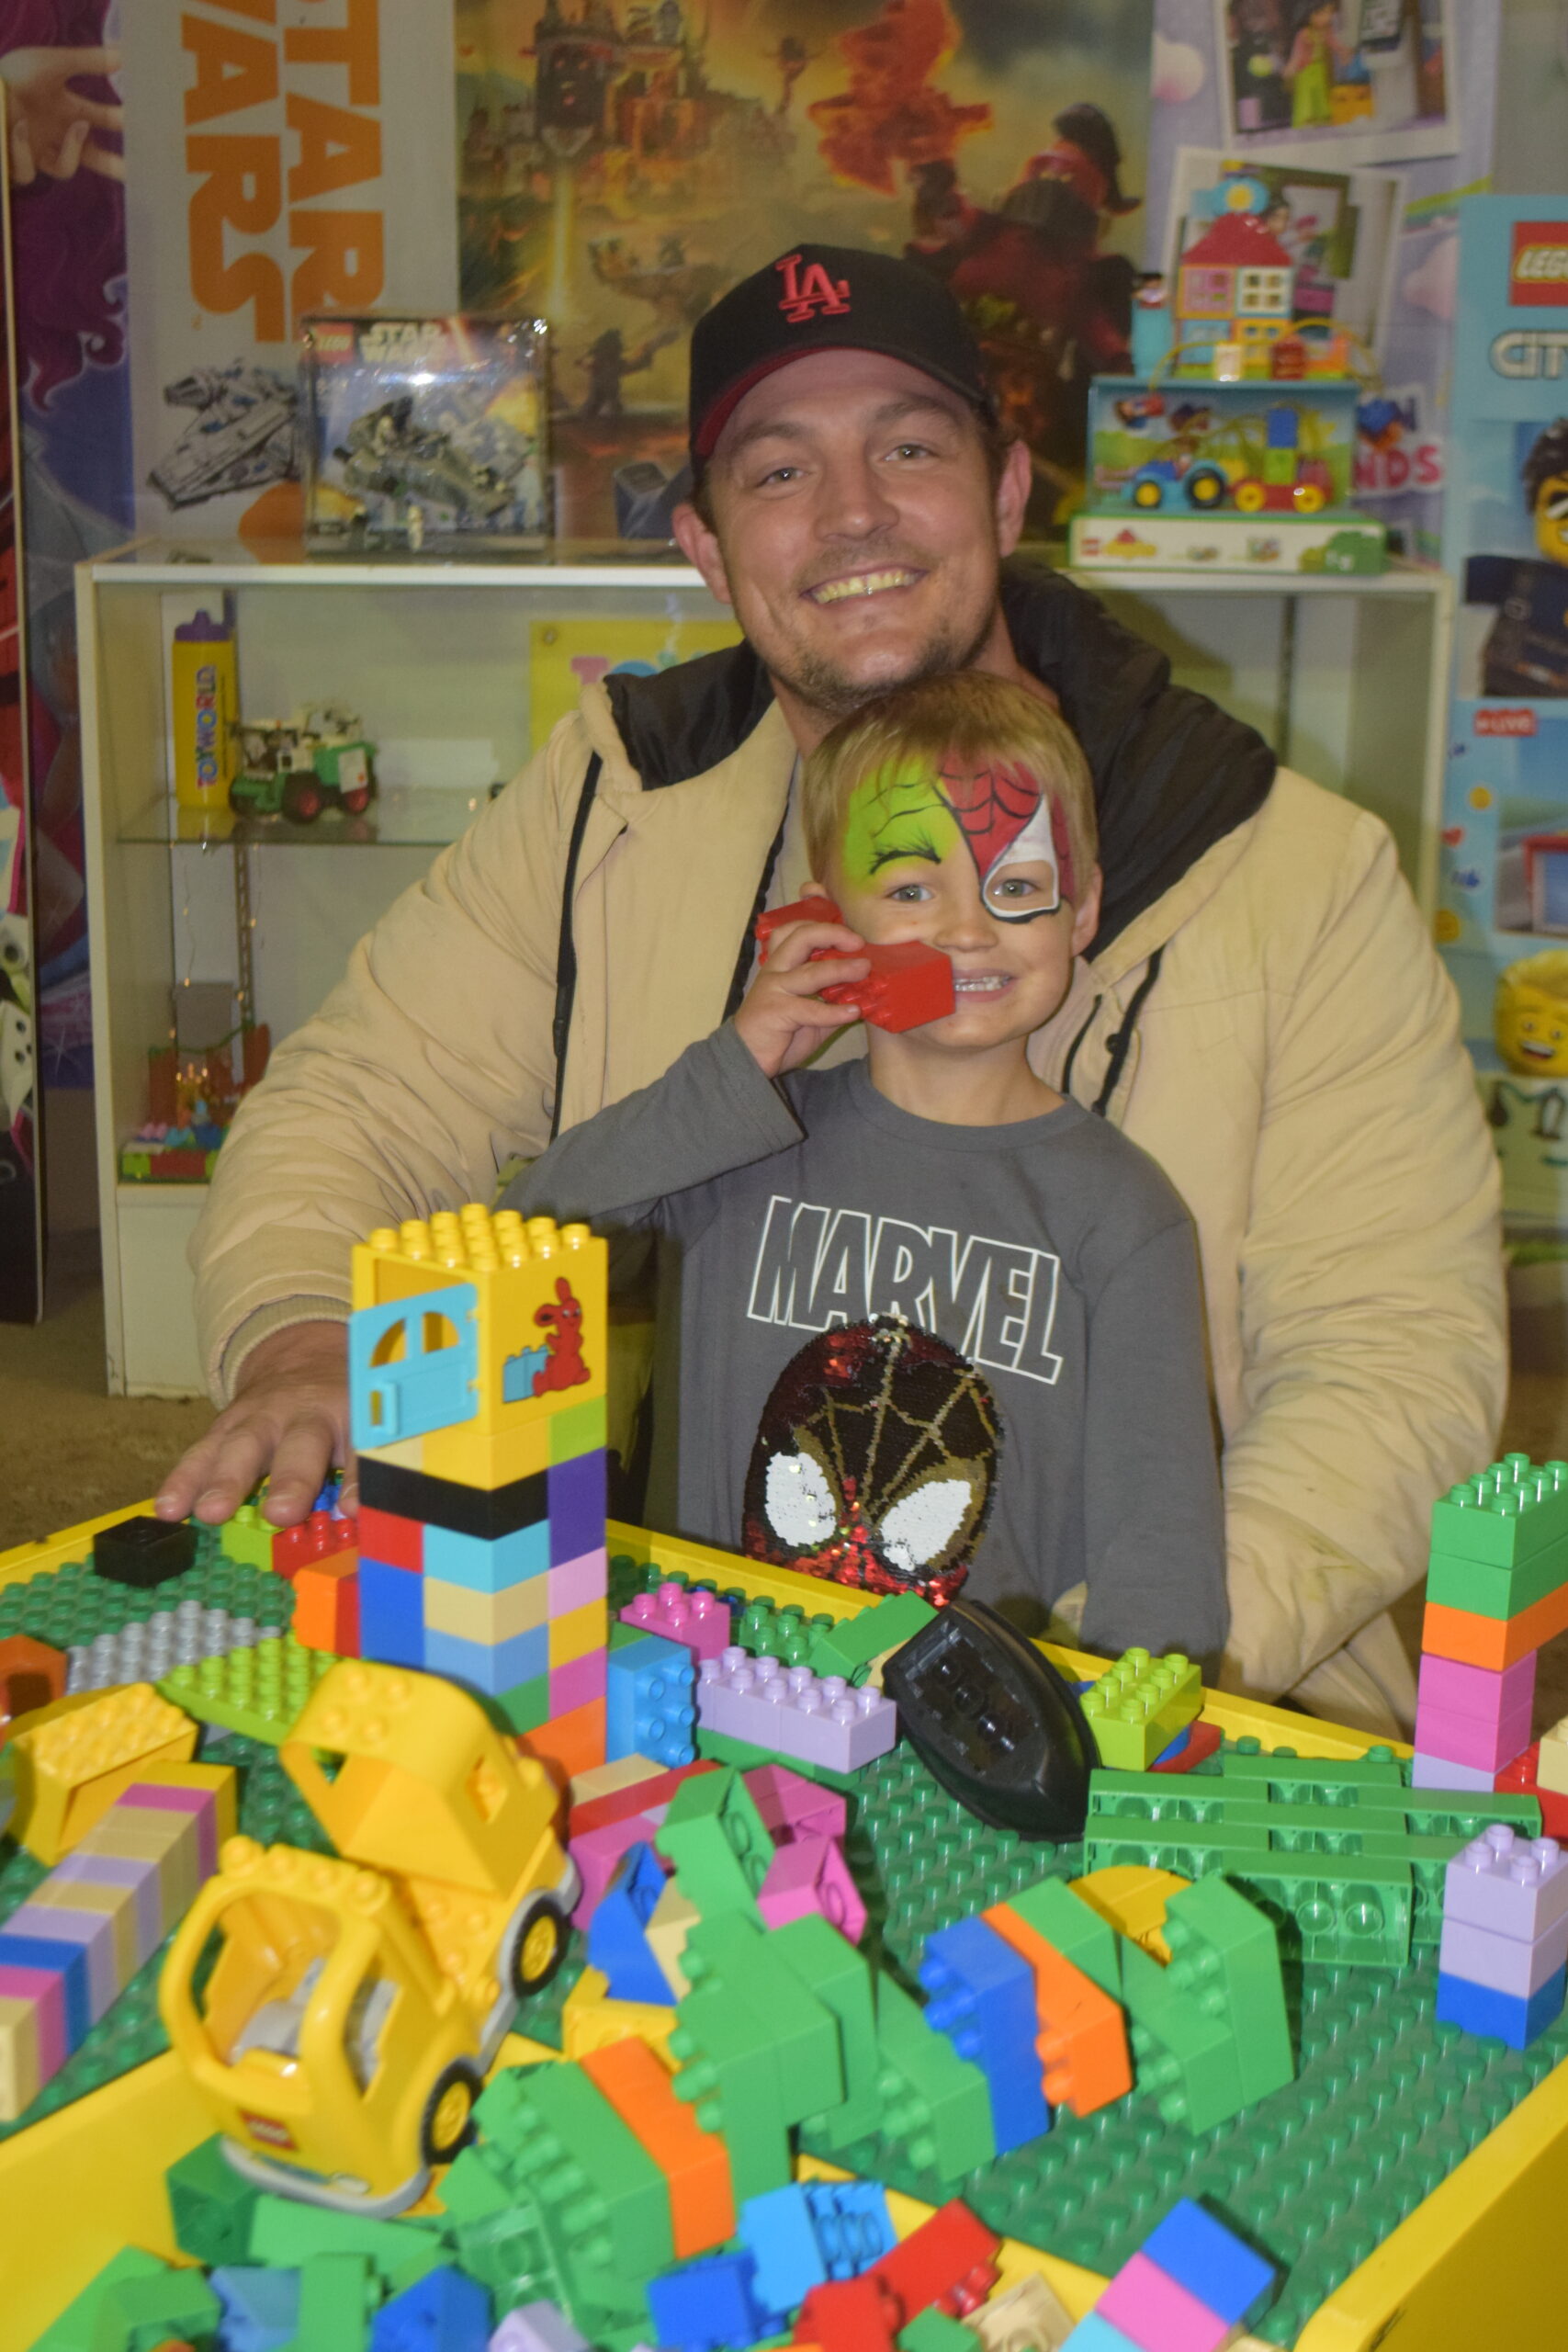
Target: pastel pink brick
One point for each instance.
(1157, 2315)
(160, 1796)
(597, 1851)
(811, 1875)
(1475, 1691)
(1505, 1964)
(575, 1583)
(45, 1992)
(575, 1685)
(1463, 1740)
(792, 1806)
(699, 1620)
(92, 1929)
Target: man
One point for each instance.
(1262, 1010)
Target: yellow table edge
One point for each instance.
(1472, 2266)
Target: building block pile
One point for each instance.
(1504, 1956)
(1192, 2286)
(70, 1951)
(477, 1374)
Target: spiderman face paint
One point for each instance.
(996, 812)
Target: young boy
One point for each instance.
(938, 1180)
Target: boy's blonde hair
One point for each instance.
(966, 714)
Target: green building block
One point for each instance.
(1076, 1932)
(1506, 1515)
(1322, 1778)
(504, 2246)
(1497, 1592)
(850, 1647)
(139, 2314)
(337, 2294)
(259, 1692)
(788, 1633)
(843, 1980)
(287, 2233)
(933, 2102)
(1223, 1950)
(75, 2329)
(1186, 2055)
(602, 2200)
(933, 2330)
(247, 1537)
(212, 2207)
(727, 2076)
(718, 1842)
(1139, 1704)
(719, 1747)
(733, 1955)
(525, 1706)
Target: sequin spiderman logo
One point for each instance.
(875, 1462)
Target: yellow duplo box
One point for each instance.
(489, 1618)
(539, 1313)
(578, 1632)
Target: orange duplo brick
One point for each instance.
(696, 2163)
(326, 1605)
(1493, 1642)
(572, 1742)
(1083, 2039)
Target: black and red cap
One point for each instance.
(827, 298)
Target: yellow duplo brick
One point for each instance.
(487, 1617)
(671, 1922)
(591, 2020)
(1552, 1768)
(117, 1903)
(72, 1764)
(19, 2055)
(469, 1458)
(578, 1632)
(604, 1779)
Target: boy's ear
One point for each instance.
(1086, 913)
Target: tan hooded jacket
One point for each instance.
(1272, 1025)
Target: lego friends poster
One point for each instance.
(1503, 915)
(1346, 81)
(621, 163)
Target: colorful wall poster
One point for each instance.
(280, 159)
(565, 656)
(1354, 81)
(622, 161)
(21, 1219)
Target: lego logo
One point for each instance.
(1539, 268)
(268, 2131)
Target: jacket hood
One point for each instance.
(1173, 773)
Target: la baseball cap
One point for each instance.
(825, 298)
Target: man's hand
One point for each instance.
(50, 124)
(289, 1416)
(783, 1020)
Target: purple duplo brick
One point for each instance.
(576, 1492)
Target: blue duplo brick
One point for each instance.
(392, 1614)
(1505, 2016)
(68, 1961)
(983, 2000)
(1214, 2264)
(650, 1707)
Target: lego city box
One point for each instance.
(425, 433)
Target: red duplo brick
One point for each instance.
(949, 2260)
(320, 1537)
(399, 1541)
(848, 2315)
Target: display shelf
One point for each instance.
(1346, 677)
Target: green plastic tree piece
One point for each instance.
(718, 1842)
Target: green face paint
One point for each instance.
(893, 815)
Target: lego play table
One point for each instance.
(1397, 2180)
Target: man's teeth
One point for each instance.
(863, 584)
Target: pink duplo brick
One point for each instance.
(1486, 1747)
(575, 1583)
(701, 1621)
(92, 1930)
(200, 1805)
(597, 1851)
(792, 1806)
(45, 1989)
(811, 1875)
(1156, 2314)
(574, 1685)
(1475, 1691)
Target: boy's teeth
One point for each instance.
(980, 984)
(861, 583)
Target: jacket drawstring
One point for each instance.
(1119, 1044)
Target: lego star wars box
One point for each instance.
(1503, 912)
(425, 433)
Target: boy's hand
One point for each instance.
(783, 1020)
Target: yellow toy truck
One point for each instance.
(339, 2014)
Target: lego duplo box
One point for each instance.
(472, 1336)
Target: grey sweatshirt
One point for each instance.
(1053, 1253)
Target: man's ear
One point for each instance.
(700, 546)
(1012, 496)
(1086, 913)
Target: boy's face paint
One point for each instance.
(996, 811)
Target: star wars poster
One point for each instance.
(621, 163)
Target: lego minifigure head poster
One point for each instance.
(621, 163)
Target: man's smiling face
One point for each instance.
(858, 531)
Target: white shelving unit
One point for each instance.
(1347, 677)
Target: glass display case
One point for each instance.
(452, 673)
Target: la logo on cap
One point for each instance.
(804, 296)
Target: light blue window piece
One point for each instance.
(414, 1365)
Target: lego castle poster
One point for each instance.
(622, 161)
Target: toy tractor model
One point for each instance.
(353, 2004)
(297, 767)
